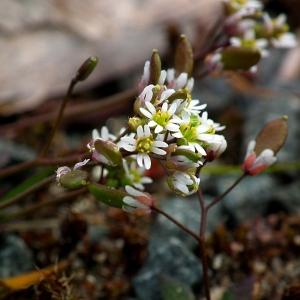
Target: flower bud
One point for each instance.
(214, 150)
(134, 123)
(87, 68)
(261, 152)
(184, 58)
(183, 160)
(107, 152)
(183, 184)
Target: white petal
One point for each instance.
(160, 144)
(150, 107)
(147, 131)
(152, 123)
(147, 161)
(158, 151)
(132, 191)
(145, 112)
(140, 131)
(172, 108)
(139, 160)
(158, 129)
(162, 77)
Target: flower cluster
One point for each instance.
(249, 33)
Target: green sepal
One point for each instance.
(194, 157)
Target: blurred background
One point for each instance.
(254, 234)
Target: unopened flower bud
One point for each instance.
(87, 68)
(183, 184)
(137, 202)
(261, 152)
(134, 123)
(214, 150)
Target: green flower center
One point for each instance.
(144, 145)
(161, 117)
(135, 176)
(189, 132)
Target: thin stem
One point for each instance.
(29, 191)
(202, 246)
(57, 122)
(183, 227)
(42, 162)
(220, 197)
(17, 168)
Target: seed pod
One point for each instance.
(87, 68)
(109, 150)
(110, 196)
(238, 58)
(272, 136)
(155, 67)
(74, 179)
(184, 58)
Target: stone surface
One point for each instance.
(15, 256)
(171, 258)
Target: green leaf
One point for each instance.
(27, 183)
(172, 289)
(110, 196)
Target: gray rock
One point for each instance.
(287, 197)
(248, 199)
(171, 258)
(15, 256)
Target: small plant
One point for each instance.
(173, 128)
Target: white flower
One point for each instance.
(285, 40)
(250, 6)
(183, 183)
(254, 164)
(189, 106)
(135, 175)
(143, 143)
(136, 201)
(214, 150)
(161, 118)
(180, 82)
(64, 170)
(213, 126)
